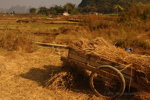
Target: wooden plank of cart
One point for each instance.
(108, 78)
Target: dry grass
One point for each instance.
(124, 34)
(14, 41)
(23, 76)
(128, 33)
(98, 22)
(69, 77)
(99, 49)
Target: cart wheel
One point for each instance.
(107, 81)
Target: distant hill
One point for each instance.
(16, 9)
(19, 9)
(106, 6)
(2, 10)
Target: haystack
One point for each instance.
(68, 77)
(100, 48)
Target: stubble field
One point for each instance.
(26, 67)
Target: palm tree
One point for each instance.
(117, 7)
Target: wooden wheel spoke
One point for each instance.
(107, 75)
(100, 80)
(113, 88)
(113, 80)
(106, 81)
(98, 83)
(108, 90)
(112, 84)
(104, 77)
(105, 89)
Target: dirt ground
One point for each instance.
(23, 76)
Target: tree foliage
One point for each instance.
(70, 8)
(43, 10)
(107, 6)
(101, 6)
(32, 10)
(56, 9)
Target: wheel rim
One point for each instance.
(107, 82)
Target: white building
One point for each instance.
(65, 14)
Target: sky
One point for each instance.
(36, 3)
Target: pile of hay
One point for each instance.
(102, 49)
(68, 77)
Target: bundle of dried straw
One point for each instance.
(100, 48)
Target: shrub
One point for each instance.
(12, 41)
(94, 22)
(131, 40)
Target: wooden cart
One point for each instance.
(108, 78)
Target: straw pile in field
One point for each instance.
(102, 49)
(68, 77)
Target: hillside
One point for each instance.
(19, 9)
(16, 9)
(107, 6)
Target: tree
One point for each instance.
(56, 9)
(52, 11)
(69, 7)
(32, 10)
(107, 6)
(117, 7)
(43, 10)
(59, 9)
(14, 12)
(87, 8)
